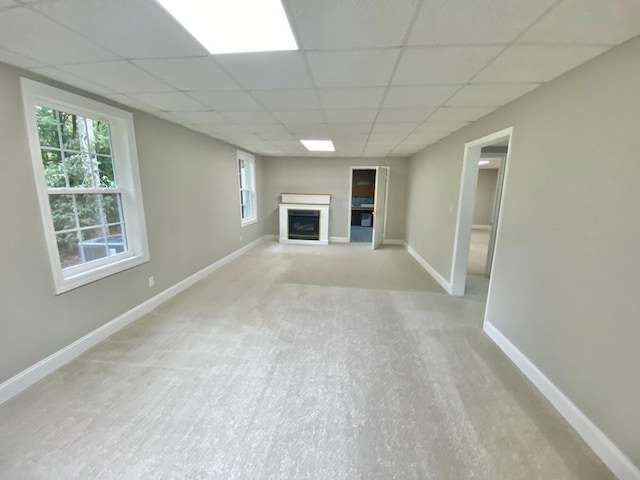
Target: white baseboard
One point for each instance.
(432, 271)
(481, 227)
(613, 458)
(338, 239)
(394, 241)
(44, 367)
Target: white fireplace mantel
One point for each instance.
(300, 201)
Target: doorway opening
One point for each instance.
(483, 178)
(486, 208)
(367, 206)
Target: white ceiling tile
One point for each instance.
(239, 101)
(25, 32)
(492, 94)
(302, 116)
(587, 21)
(227, 128)
(308, 130)
(529, 63)
(267, 130)
(169, 101)
(258, 71)
(446, 22)
(202, 117)
(349, 151)
(387, 137)
(335, 24)
(281, 137)
(359, 115)
(442, 64)
(131, 28)
(352, 128)
(292, 99)
(131, 102)
(462, 114)
(120, 76)
(250, 117)
(425, 96)
(21, 61)
(404, 114)
(199, 73)
(70, 79)
(396, 127)
(366, 97)
(352, 68)
(342, 138)
(432, 127)
(291, 148)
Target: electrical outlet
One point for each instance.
(152, 282)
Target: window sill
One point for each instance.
(65, 284)
(249, 221)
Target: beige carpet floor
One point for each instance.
(297, 362)
(477, 263)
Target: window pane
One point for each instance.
(78, 169)
(89, 213)
(244, 197)
(70, 131)
(62, 212)
(94, 244)
(101, 141)
(106, 176)
(112, 207)
(53, 168)
(47, 127)
(246, 211)
(68, 249)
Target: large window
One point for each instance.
(247, 175)
(86, 169)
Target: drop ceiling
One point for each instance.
(378, 77)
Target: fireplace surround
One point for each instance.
(304, 218)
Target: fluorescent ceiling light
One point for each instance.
(484, 162)
(234, 26)
(319, 145)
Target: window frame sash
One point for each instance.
(126, 171)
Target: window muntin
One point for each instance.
(86, 172)
(246, 175)
(84, 197)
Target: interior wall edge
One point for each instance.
(430, 270)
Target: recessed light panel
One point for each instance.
(318, 145)
(234, 26)
(484, 162)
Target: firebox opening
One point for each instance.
(304, 224)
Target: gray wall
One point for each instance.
(485, 195)
(565, 278)
(332, 175)
(190, 189)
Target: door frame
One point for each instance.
(386, 198)
(466, 203)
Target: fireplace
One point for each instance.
(304, 218)
(304, 224)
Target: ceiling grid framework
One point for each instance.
(378, 78)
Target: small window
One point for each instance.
(247, 176)
(86, 171)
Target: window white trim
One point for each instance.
(125, 160)
(250, 165)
